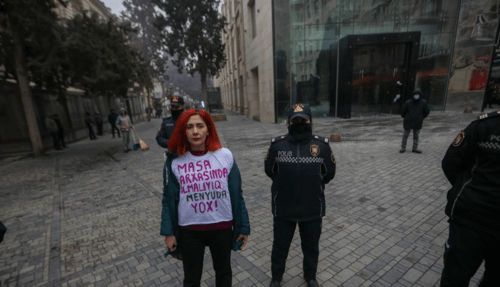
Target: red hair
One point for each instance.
(178, 142)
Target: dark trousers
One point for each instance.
(55, 139)
(193, 248)
(60, 134)
(91, 132)
(99, 129)
(415, 138)
(465, 250)
(113, 128)
(310, 232)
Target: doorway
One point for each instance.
(375, 73)
(255, 100)
(370, 66)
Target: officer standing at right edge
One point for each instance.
(167, 126)
(472, 166)
(300, 165)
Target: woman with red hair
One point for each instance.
(202, 199)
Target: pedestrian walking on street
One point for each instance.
(203, 201)
(168, 124)
(60, 130)
(124, 124)
(472, 166)
(299, 164)
(112, 120)
(51, 126)
(98, 122)
(414, 112)
(89, 122)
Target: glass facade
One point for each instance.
(307, 34)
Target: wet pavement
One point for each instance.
(90, 216)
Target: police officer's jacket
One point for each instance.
(299, 166)
(165, 132)
(472, 166)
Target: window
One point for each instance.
(238, 48)
(253, 16)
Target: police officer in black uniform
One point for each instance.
(472, 166)
(168, 124)
(300, 164)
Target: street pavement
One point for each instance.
(90, 216)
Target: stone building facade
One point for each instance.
(345, 58)
(246, 81)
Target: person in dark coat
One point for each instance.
(414, 112)
(60, 130)
(89, 122)
(98, 122)
(472, 166)
(51, 126)
(299, 164)
(112, 120)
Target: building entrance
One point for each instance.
(369, 69)
(376, 71)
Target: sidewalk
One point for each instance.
(90, 216)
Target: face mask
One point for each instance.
(416, 97)
(300, 128)
(176, 114)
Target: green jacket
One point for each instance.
(170, 202)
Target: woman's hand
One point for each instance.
(170, 243)
(245, 238)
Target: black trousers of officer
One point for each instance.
(465, 250)
(310, 232)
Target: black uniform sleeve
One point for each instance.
(269, 162)
(329, 164)
(426, 109)
(404, 110)
(461, 154)
(162, 137)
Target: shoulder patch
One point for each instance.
(489, 115)
(459, 139)
(321, 139)
(277, 139)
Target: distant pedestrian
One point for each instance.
(218, 218)
(414, 112)
(51, 126)
(299, 164)
(98, 122)
(472, 166)
(89, 122)
(112, 120)
(60, 130)
(124, 124)
(167, 126)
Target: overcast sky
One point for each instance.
(115, 5)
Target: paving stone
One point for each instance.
(90, 214)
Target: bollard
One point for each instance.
(335, 138)
(219, 117)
